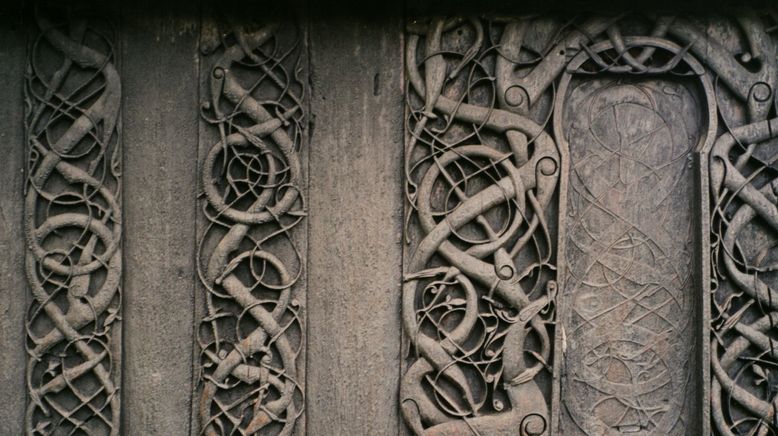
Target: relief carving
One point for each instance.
(629, 289)
(634, 99)
(250, 266)
(743, 229)
(72, 222)
(479, 285)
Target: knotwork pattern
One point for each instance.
(629, 290)
(252, 178)
(744, 233)
(72, 222)
(479, 288)
(633, 98)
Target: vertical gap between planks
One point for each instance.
(306, 21)
(195, 275)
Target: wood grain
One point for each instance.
(355, 223)
(160, 140)
(13, 288)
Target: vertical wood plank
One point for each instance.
(355, 256)
(13, 288)
(160, 137)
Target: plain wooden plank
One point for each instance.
(355, 257)
(13, 288)
(160, 147)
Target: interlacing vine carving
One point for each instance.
(72, 222)
(744, 232)
(252, 178)
(633, 97)
(479, 289)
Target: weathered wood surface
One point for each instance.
(629, 255)
(252, 222)
(355, 222)
(615, 153)
(13, 287)
(160, 68)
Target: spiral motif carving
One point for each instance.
(249, 263)
(638, 97)
(744, 228)
(479, 290)
(72, 223)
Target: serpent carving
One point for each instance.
(72, 222)
(479, 289)
(550, 283)
(249, 263)
(744, 228)
(633, 99)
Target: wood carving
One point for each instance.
(634, 100)
(744, 227)
(72, 222)
(252, 178)
(479, 288)
(629, 291)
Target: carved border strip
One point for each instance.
(479, 284)
(72, 222)
(251, 338)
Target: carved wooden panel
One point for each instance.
(72, 219)
(588, 236)
(250, 260)
(479, 285)
(609, 121)
(629, 291)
